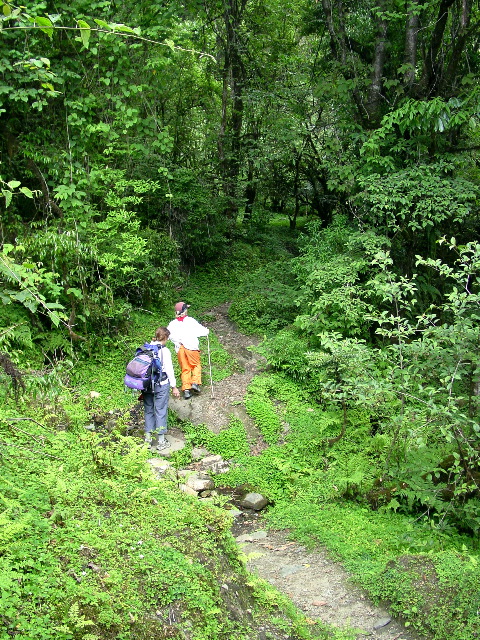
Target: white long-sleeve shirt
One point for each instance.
(186, 332)
(167, 365)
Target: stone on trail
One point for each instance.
(215, 464)
(254, 501)
(251, 537)
(381, 623)
(200, 482)
(188, 490)
(160, 467)
(175, 445)
(199, 452)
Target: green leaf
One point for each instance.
(8, 197)
(124, 28)
(55, 318)
(13, 184)
(26, 191)
(84, 32)
(45, 24)
(54, 305)
(102, 23)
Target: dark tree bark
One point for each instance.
(233, 73)
(463, 33)
(250, 192)
(432, 68)
(411, 41)
(375, 99)
(337, 32)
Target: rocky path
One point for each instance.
(316, 584)
(227, 395)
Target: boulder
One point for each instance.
(254, 501)
(199, 452)
(161, 467)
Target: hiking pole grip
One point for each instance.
(210, 365)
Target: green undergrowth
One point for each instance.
(260, 407)
(218, 281)
(230, 443)
(317, 491)
(93, 548)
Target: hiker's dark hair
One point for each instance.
(162, 333)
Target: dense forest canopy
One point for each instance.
(143, 143)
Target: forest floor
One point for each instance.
(314, 582)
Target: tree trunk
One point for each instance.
(432, 66)
(250, 193)
(411, 39)
(233, 83)
(375, 91)
(460, 40)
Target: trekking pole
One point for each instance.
(210, 366)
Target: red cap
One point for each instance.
(180, 307)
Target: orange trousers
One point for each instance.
(191, 369)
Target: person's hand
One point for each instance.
(175, 392)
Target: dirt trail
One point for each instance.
(315, 583)
(228, 395)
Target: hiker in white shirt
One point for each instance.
(184, 333)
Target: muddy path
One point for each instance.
(314, 582)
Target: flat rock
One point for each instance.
(188, 490)
(199, 484)
(199, 452)
(175, 445)
(160, 467)
(251, 537)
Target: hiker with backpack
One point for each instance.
(184, 333)
(151, 372)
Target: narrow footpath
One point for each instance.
(316, 584)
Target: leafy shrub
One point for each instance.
(265, 302)
(286, 351)
(331, 271)
(196, 217)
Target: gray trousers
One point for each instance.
(156, 411)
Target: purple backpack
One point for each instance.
(145, 369)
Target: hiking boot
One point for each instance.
(195, 388)
(165, 444)
(187, 394)
(148, 438)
